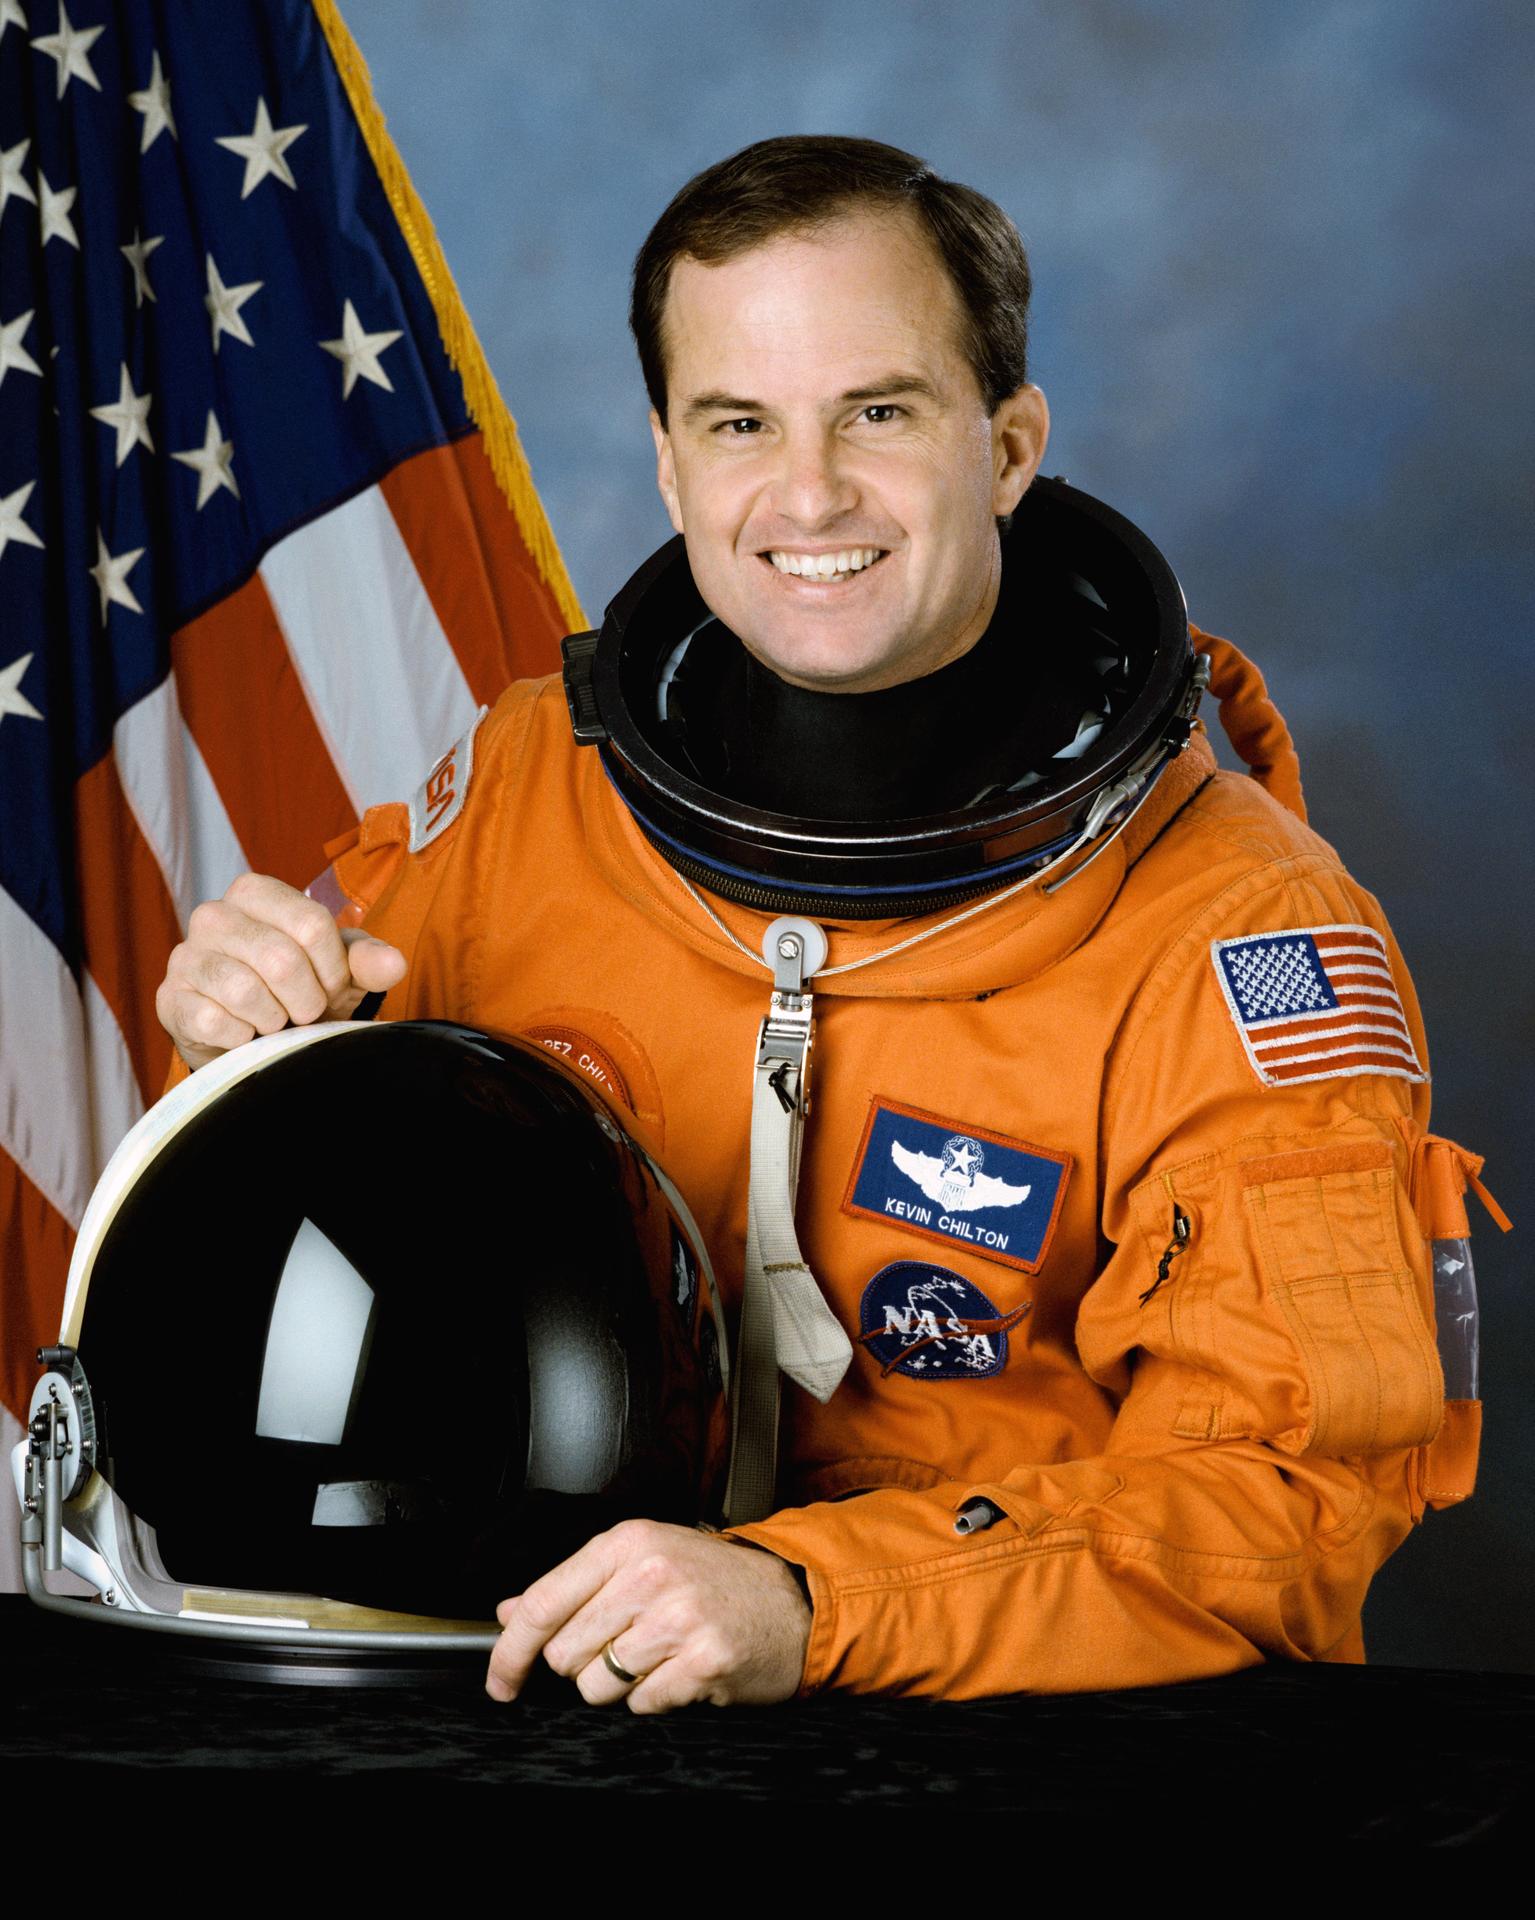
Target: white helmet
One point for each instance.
(366, 1328)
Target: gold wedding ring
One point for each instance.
(619, 1672)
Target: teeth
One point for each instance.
(826, 566)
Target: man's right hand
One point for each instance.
(260, 959)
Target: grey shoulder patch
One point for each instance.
(439, 800)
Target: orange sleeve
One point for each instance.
(1273, 1364)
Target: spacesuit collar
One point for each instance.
(1021, 939)
(1129, 686)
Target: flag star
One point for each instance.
(12, 526)
(129, 415)
(71, 48)
(358, 352)
(12, 179)
(211, 462)
(154, 102)
(111, 577)
(137, 255)
(53, 211)
(12, 352)
(11, 14)
(12, 699)
(262, 150)
(224, 304)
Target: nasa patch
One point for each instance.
(996, 1197)
(933, 1324)
(439, 800)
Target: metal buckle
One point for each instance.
(784, 1041)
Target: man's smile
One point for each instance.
(836, 564)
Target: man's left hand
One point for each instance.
(695, 1617)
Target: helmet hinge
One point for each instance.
(580, 655)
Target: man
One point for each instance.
(1118, 1362)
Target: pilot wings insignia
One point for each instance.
(954, 1179)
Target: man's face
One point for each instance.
(829, 457)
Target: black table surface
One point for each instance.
(1355, 1753)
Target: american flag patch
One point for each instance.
(1316, 1003)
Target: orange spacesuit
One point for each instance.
(1123, 1194)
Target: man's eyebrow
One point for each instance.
(702, 403)
(890, 388)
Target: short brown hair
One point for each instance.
(801, 181)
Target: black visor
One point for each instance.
(401, 1319)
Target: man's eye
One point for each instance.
(735, 428)
(881, 412)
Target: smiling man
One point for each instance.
(830, 458)
(1097, 1282)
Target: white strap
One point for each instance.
(807, 1336)
(785, 1320)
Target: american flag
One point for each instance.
(258, 565)
(1315, 1003)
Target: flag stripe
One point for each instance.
(246, 708)
(1385, 1063)
(217, 855)
(1328, 1028)
(488, 592)
(128, 919)
(1381, 1047)
(71, 1045)
(147, 744)
(35, 1242)
(111, 1099)
(44, 1049)
(1344, 939)
(383, 681)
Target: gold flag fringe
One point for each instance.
(487, 408)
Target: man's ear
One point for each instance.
(1020, 431)
(666, 470)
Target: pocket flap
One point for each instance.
(1446, 1467)
(1054, 1494)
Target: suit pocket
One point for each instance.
(1337, 1270)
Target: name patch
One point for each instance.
(933, 1324)
(581, 1051)
(997, 1197)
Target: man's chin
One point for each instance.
(852, 667)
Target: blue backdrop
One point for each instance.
(1283, 316)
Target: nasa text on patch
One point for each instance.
(960, 1184)
(1316, 1003)
(933, 1324)
(439, 800)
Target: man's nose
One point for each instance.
(814, 486)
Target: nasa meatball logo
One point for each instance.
(994, 1196)
(931, 1323)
